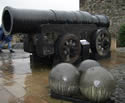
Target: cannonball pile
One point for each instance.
(91, 79)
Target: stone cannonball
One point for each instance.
(64, 79)
(86, 64)
(97, 84)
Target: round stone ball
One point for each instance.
(97, 84)
(86, 64)
(64, 79)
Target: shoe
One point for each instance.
(11, 51)
(1, 51)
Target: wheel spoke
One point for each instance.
(67, 57)
(99, 47)
(67, 43)
(70, 42)
(99, 38)
(99, 43)
(102, 50)
(73, 44)
(102, 36)
(65, 52)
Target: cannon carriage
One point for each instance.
(63, 36)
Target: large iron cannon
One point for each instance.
(59, 34)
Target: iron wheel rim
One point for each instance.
(103, 44)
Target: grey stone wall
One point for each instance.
(114, 9)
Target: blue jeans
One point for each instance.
(3, 43)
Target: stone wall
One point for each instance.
(114, 9)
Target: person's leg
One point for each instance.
(10, 47)
(1, 45)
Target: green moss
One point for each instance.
(122, 36)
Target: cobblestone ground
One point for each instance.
(119, 74)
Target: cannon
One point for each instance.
(63, 36)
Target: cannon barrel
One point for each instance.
(30, 21)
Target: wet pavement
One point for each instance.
(23, 82)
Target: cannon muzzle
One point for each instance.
(24, 21)
(30, 21)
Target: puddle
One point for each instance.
(117, 58)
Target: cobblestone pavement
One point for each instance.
(23, 82)
(119, 74)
